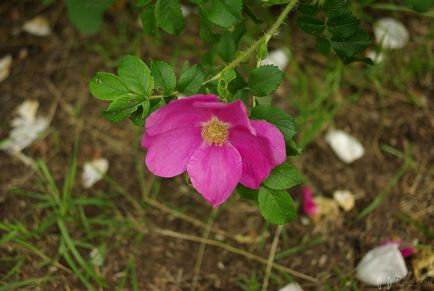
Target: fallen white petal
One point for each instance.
(185, 10)
(37, 26)
(376, 57)
(26, 112)
(93, 172)
(278, 58)
(291, 287)
(97, 257)
(26, 127)
(346, 147)
(5, 67)
(382, 265)
(391, 33)
(345, 199)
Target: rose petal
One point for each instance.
(178, 113)
(346, 147)
(278, 58)
(391, 33)
(37, 26)
(5, 67)
(169, 152)
(382, 265)
(275, 138)
(291, 287)
(93, 171)
(215, 171)
(234, 113)
(256, 154)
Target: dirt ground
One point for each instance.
(55, 71)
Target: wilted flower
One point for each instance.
(215, 142)
(309, 205)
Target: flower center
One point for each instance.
(215, 132)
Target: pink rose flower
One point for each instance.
(215, 142)
(309, 205)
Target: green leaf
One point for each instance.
(156, 104)
(264, 80)
(343, 26)
(226, 47)
(292, 149)
(136, 75)
(191, 80)
(141, 3)
(147, 18)
(228, 44)
(224, 81)
(87, 15)
(282, 120)
(262, 51)
(224, 12)
(310, 24)
(274, 2)
(243, 95)
(121, 108)
(164, 76)
(336, 7)
(169, 16)
(139, 116)
(106, 86)
(247, 193)
(276, 206)
(420, 6)
(323, 45)
(283, 177)
(347, 48)
(205, 29)
(308, 9)
(237, 84)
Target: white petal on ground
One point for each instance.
(345, 199)
(37, 26)
(291, 287)
(383, 265)
(185, 10)
(376, 57)
(93, 172)
(278, 58)
(346, 147)
(391, 33)
(5, 67)
(97, 256)
(26, 127)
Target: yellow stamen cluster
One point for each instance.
(215, 132)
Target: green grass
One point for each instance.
(83, 223)
(78, 234)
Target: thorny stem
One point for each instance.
(266, 38)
